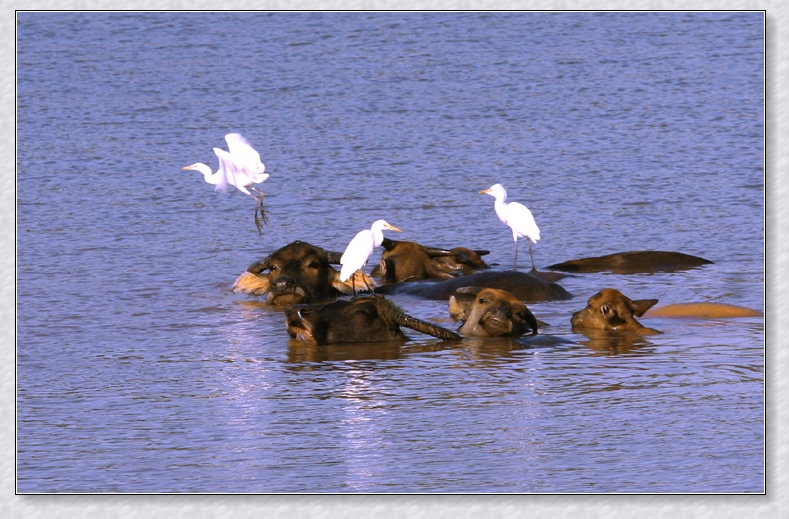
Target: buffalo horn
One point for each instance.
(388, 244)
(532, 321)
(260, 266)
(427, 328)
(434, 252)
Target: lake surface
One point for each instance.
(139, 371)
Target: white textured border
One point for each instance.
(438, 506)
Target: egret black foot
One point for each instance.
(258, 225)
(259, 222)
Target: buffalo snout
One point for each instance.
(283, 284)
(491, 312)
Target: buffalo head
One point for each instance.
(367, 319)
(408, 260)
(490, 312)
(609, 309)
(298, 273)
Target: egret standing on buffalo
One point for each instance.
(517, 216)
(241, 167)
(358, 251)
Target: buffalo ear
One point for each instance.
(468, 292)
(333, 257)
(642, 305)
(260, 266)
(461, 301)
(458, 310)
(384, 267)
(482, 252)
(253, 284)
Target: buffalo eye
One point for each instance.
(605, 309)
(366, 312)
(303, 310)
(272, 268)
(482, 300)
(314, 265)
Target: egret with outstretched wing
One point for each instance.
(240, 167)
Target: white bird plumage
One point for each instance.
(240, 167)
(361, 247)
(517, 216)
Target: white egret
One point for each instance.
(240, 167)
(361, 247)
(517, 216)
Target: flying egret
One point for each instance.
(241, 167)
(359, 249)
(517, 216)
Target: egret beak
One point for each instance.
(188, 167)
(485, 192)
(392, 228)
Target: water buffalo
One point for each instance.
(702, 311)
(635, 262)
(365, 319)
(490, 312)
(609, 309)
(298, 273)
(408, 261)
(524, 286)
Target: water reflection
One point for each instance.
(362, 436)
(301, 352)
(472, 348)
(490, 348)
(608, 342)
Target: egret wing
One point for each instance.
(246, 156)
(356, 253)
(230, 172)
(521, 220)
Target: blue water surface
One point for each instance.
(139, 371)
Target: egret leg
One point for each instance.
(259, 210)
(533, 268)
(369, 288)
(353, 285)
(515, 266)
(257, 223)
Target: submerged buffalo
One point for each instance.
(409, 261)
(636, 262)
(298, 273)
(366, 319)
(702, 311)
(524, 286)
(609, 309)
(490, 312)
